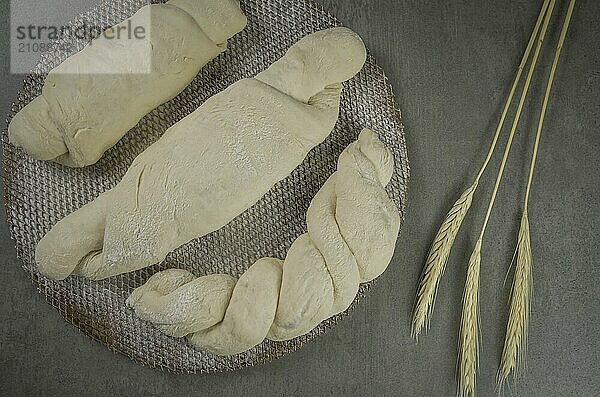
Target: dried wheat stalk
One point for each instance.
(515, 341)
(444, 239)
(436, 261)
(469, 335)
(467, 354)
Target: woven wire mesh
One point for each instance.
(38, 194)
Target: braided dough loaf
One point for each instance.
(352, 230)
(211, 166)
(94, 97)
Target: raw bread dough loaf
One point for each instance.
(211, 166)
(352, 230)
(94, 97)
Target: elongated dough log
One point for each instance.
(94, 97)
(352, 230)
(211, 166)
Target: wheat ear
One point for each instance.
(467, 354)
(444, 239)
(469, 335)
(437, 259)
(515, 341)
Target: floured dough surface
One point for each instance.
(211, 166)
(94, 97)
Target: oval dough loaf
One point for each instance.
(352, 230)
(94, 97)
(211, 166)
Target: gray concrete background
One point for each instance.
(451, 64)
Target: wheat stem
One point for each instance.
(517, 116)
(444, 239)
(515, 341)
(514, 87)
(557, 53)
